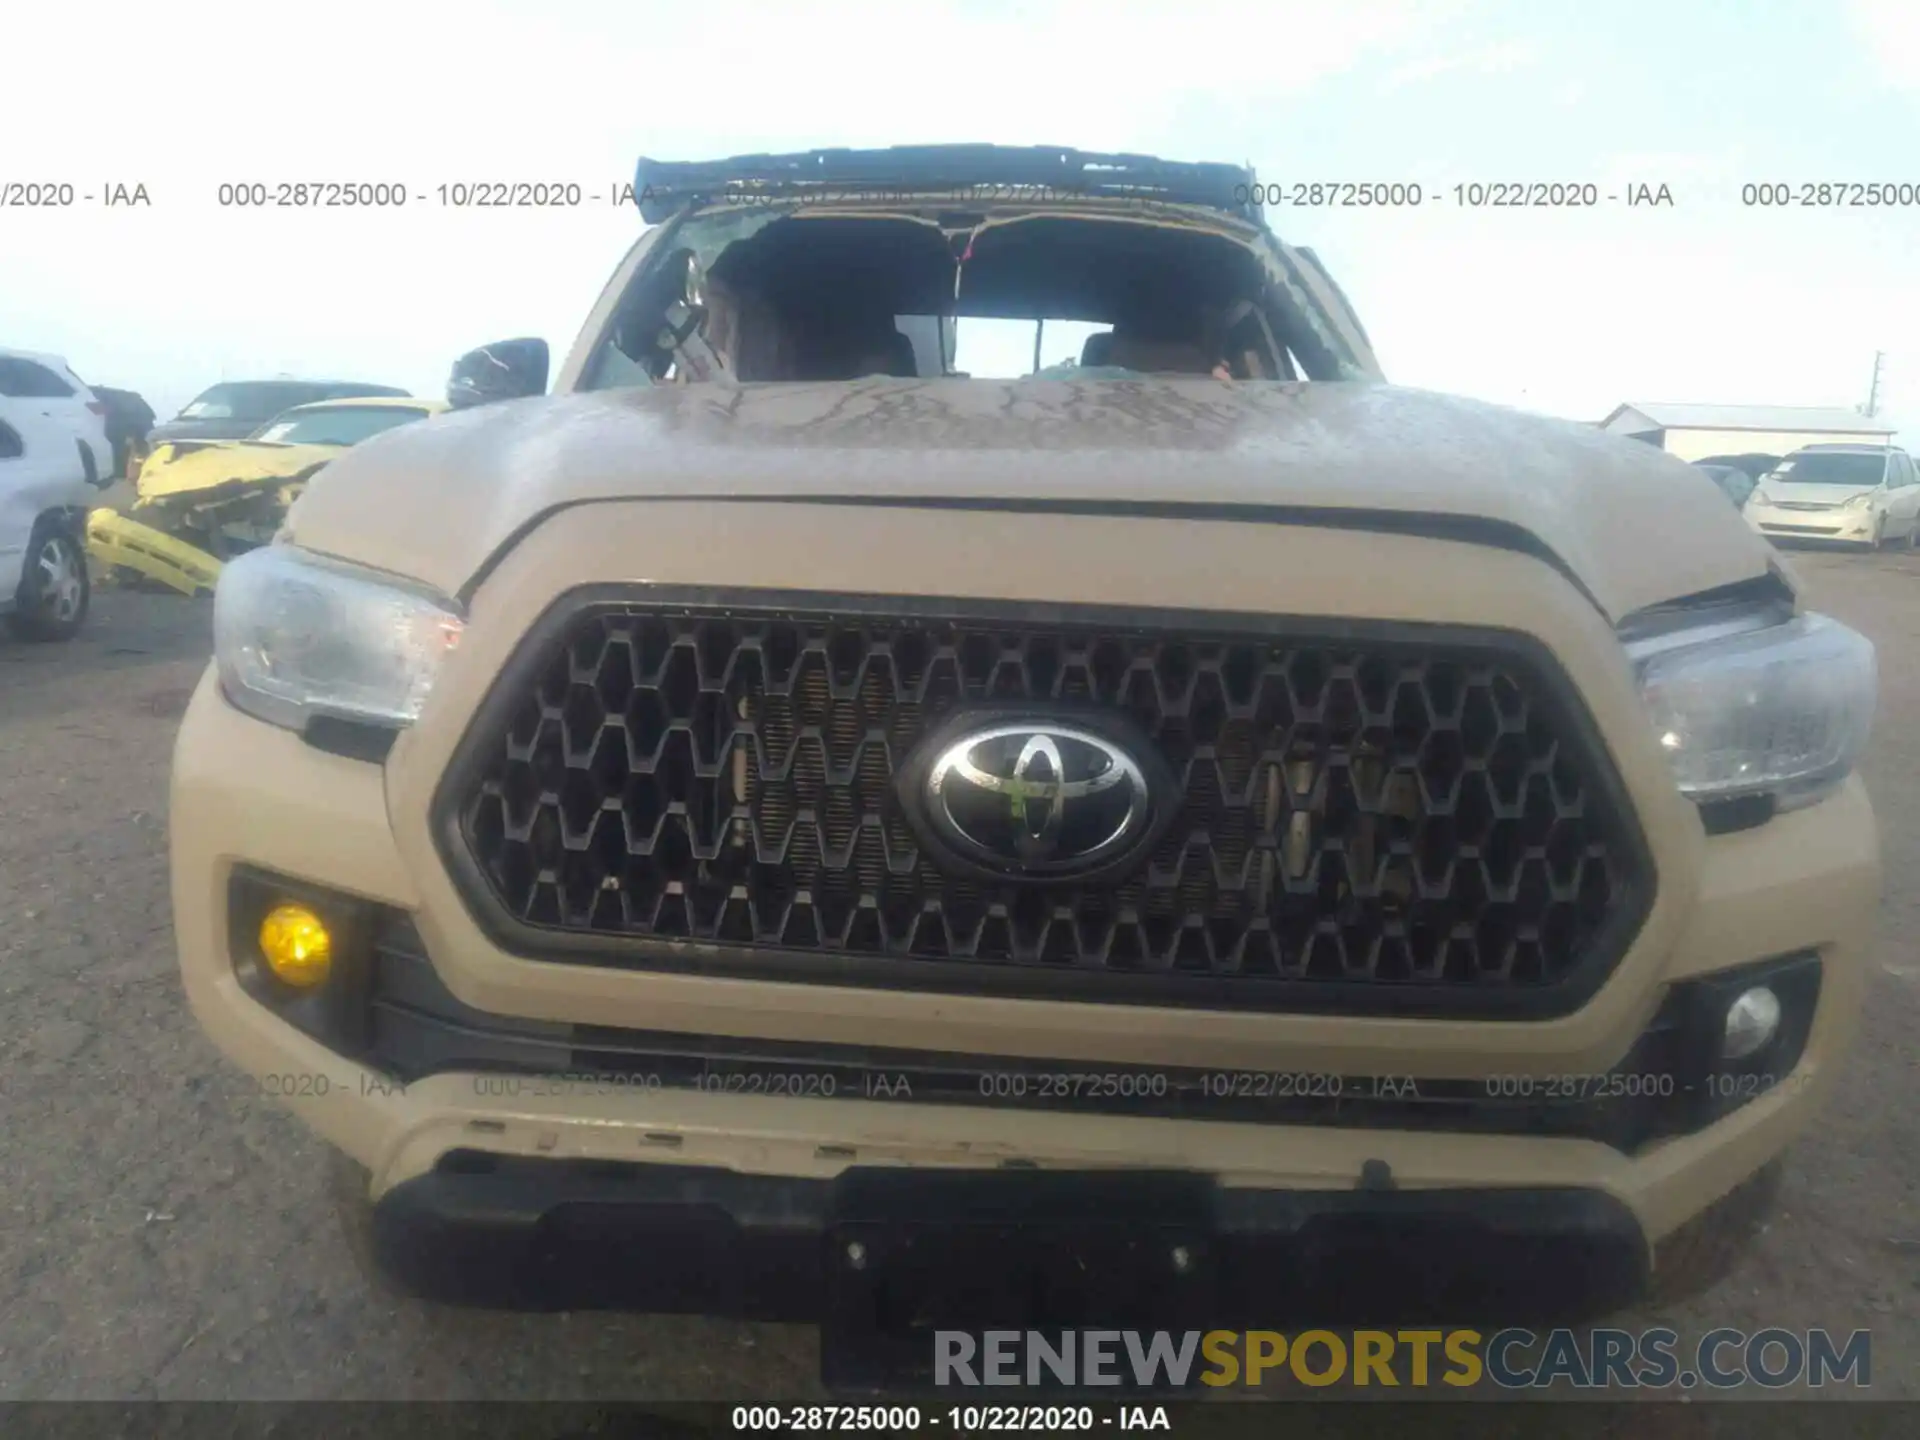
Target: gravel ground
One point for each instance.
(163, 1237)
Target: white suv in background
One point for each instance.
(1860, 494)
(54, 460)
(43, 399)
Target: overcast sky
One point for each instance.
(1568, 312)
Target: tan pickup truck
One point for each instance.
(776, 828)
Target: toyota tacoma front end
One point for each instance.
(741, 829)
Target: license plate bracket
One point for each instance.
(909, 1253)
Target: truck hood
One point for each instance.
(1631, 525)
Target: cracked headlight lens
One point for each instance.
(1782, 710)
(298, 636)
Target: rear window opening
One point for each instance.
(823, 298)
(993, 349)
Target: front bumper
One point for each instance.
(248, 795)
(518, 1233)
(1848, 527)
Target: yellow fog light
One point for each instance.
(296, 945)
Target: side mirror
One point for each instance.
(504, 370)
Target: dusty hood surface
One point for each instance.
(436, 501)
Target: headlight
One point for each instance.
(1759, 497)
(1783, 710)
(1860, 501)
(298, 636)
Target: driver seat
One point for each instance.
(1159, 357)
(891, 355)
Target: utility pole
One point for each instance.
(1873, 387)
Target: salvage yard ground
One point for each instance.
(163, 1235)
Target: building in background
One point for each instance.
(1695, 432)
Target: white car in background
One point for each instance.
(54, 461)
(1857, 494)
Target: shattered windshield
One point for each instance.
(795, 295)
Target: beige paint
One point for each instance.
(509, 506)
(450, 494)
(1698, 444)
(245, 792)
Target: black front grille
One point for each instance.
(1384, 816)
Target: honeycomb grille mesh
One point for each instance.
(1383, 813)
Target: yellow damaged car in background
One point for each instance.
(200, 502)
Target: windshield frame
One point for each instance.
(1296, 281)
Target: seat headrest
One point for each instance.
(904, 364)
(1160, 357)
(889, 354)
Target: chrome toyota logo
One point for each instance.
(1037, 799)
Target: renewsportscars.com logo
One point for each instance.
(1513, 1359)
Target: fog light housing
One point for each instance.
(297, 946)
(304, 952)
(1753, 1019)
